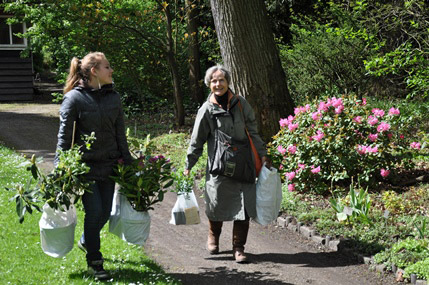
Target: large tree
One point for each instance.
(249, 51)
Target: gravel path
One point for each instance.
(278, 256)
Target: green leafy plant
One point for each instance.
(421, 228)
(183, 184)
(57, 97)
(394, 203)
(420, 268)
(60, 188)
(329, 141)
(357, 209)
(144, 181)
(405, 253)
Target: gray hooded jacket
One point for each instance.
(226, 199)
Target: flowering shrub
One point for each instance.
(331, 141)
(145, 179)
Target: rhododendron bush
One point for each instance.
(328, 142)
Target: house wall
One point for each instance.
(16, 73)
(16, 76)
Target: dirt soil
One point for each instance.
(278, 256)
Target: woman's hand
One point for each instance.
(186, 172)
(267, 162)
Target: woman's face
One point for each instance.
(104, 72)
(218, 83)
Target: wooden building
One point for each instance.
(16, 73)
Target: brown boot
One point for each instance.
(239, 238)
(215, 228)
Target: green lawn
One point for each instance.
(22, 260)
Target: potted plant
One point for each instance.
(142, 183)
(58, 191)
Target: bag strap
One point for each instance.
(258, 161)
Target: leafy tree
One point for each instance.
(138, 37)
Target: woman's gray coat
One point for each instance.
(225, 198)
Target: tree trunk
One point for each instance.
(250, 53)
(172, 62)
(195, 81)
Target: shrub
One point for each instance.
(421, 269)
(329, 142)
(322, 61)
(405, 253)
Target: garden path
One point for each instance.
(278, 256)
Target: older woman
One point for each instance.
(226, 199)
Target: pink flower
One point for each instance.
(373, 137)
(361, 149)
(323, 107)
(307, 107)
(394, 111)
(283, 122)
(281, 149)
(292, 127)
(364, 101)
(339, 109)
(301, 166)
(315, 170)
(281, 166)
(378, 112)
(316, 115)
(415, 145)
(299, 110)
(383, 127)
(372, 149)
(291, 149)
(290, 175)
(336, 102)
(357, 119)
(291, 187)
(319, 136)
(372, 120)
(384, 172)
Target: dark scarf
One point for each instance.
(223, 100)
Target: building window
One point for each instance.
(8, 33)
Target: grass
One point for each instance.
(22, 260)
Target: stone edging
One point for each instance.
(339, 245)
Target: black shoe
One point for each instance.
(81, 245)
(96, 269)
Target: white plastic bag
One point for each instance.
(268, 195)
(57, 230)
(128, 224)
(185, 211)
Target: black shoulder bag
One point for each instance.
(232, 158)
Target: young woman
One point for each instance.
(226, 199)
(91, 104)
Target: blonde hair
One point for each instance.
(81, 69)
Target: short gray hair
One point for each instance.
(213, 69)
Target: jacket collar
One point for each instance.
(83, 85)
(217, 109)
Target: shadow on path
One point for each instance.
(30, 133)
